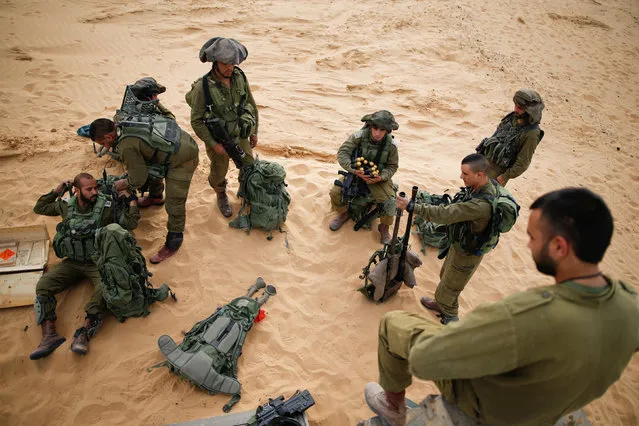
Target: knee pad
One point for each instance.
(44, 307)
(174, 240)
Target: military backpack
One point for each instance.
(431, 233)
(143, 120)
(265, 199)
(504, 214)
(208, 355)
(125, 279)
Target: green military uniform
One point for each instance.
(526, 360)
(136, 154)
(70, 271)
(527, 140)
(154, 185)
(227, 103)
(460, 265)
(384, 191)
(510, 149)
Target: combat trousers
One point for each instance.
(155, 186)
(456, 271)
(220, 164)
(178, 182)
(64, 275)
(383, 192)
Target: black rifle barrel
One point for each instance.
(402, 257)
(390, 251)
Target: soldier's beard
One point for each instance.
(86, 200)
(544, 263)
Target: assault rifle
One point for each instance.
(352, 186)
(218, 130)
(219, 133)
(278, 408)
(108, 190)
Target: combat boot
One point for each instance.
(162, 255)
(390, 406)
(384, 235)
(50, 340)
(148, 201)
(223, 202)
(338, 221)
(431, 304)
(80, 344)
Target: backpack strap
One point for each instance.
(208, 101)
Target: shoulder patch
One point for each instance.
(530, 299)
(358, 134)
(107, 203)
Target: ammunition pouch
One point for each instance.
(44, 307)
(247, 123)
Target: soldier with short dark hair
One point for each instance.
(167, 153)
(510, 149)
(467, 217)
(532, 357)
(74, 242)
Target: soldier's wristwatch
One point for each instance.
(132, 197)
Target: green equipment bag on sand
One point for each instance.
(208, 354)
(431, 233)
(264, 197)
(125, 280)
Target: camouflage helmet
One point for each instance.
(226, 50)
(531, 102)
(146, 87)
(382, 119)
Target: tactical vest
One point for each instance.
(159, 132)
(504, 214)
(227, 110)
(370, 150)
(75, 234)
(504, 145)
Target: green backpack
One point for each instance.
(208, 355)
(505, 212)
(431, 233)
(264, 195)
(125, 280)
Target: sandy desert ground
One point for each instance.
(447, 70)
